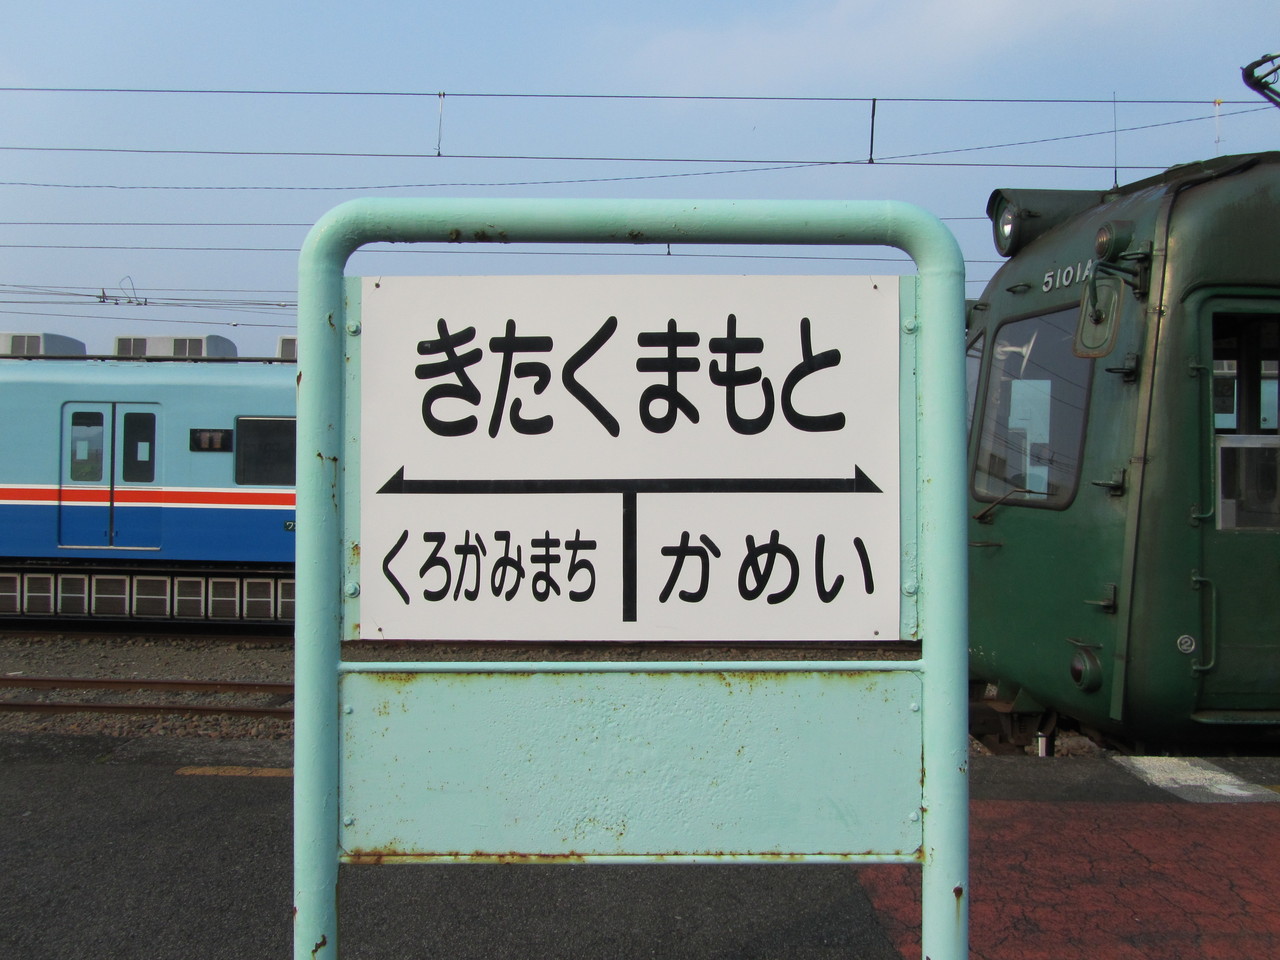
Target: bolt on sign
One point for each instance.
(557, 460)
(616, 458)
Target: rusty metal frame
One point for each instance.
(932, 431)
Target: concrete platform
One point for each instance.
(181, 848)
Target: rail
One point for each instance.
(115, 685)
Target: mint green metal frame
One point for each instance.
(936, 574)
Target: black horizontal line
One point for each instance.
(189, 91)
(858, 483)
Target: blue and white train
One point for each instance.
(154, 484)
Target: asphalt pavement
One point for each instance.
(180, 848)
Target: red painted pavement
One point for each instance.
(1108, 881)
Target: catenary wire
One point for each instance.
(191, 91)
(296, 154)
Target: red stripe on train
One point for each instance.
(170, 497)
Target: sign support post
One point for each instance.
(939, 574)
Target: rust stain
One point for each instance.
(375, 857)
(320, 944)
(360, 856)
(754, 679)
(749, 678)
(397, 678)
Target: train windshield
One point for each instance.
(1033, 414)
(973, 372)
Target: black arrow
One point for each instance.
(858, 483)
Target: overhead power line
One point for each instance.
(143, 223)
(380, 249)
(575, 180)
(789, 162)
(45, 288)
(146, 319)
(191, 91)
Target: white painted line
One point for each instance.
(1198, 781)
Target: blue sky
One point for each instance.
(79, 216)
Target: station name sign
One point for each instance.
(628, 458)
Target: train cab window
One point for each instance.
(1033, 415)
(972, 373)
(265, 448)
(1246, 355)
(87, 432)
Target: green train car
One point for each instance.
(1124, 460)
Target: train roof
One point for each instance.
(149, 372)
(1020, 216)
(150, 348)
(1216, 167)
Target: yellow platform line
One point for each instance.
(234, 771)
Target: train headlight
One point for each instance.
(1020, 216)
(1113, 239)
(1004, 228)
(1086, 670)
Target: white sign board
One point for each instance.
(629, 458)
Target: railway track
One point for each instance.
(269, 699)
(235, 683)
(77, 630)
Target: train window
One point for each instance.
(211, 440)
(188, 347)
(139, 448)
(1246, 351)
(1033, 416)
(87, 431)
(1248, 482)
(1246, 348)
(973, 369)
(265, 449)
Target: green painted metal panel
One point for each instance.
(758, 763)
(327, 784)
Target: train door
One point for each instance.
(108, 486)
(1238, 659)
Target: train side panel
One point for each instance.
(1212, 529)
(1124, 455)
(111, 466)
